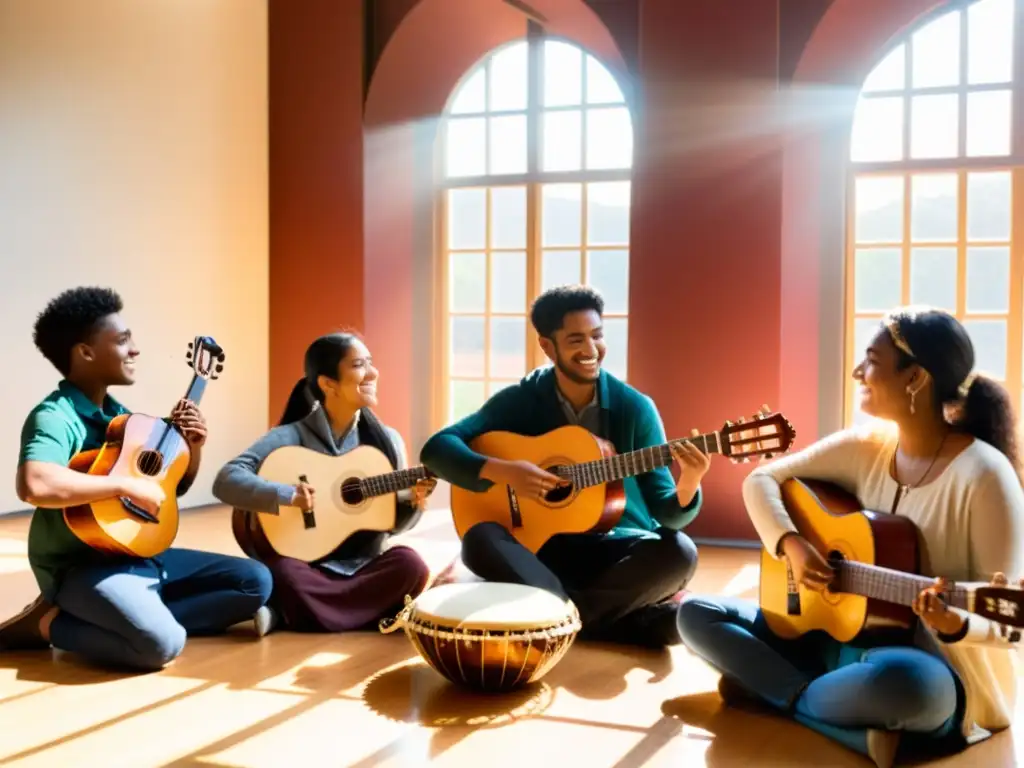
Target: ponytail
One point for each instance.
(300, 403)
(988, 415)
(372, 432)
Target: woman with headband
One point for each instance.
(944, 456)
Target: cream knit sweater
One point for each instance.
(971, 523)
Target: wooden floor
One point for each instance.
(366, 700)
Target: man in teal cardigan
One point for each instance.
(621, 581)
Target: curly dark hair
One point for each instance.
(71, 319)
(942, 346)
(550, 308)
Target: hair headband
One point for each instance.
(893, 326)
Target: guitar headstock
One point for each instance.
(205, 357)
(765, 435)
(1003, 605)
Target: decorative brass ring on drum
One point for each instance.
(488, 636)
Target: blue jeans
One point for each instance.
(838, 689)
(137, 613)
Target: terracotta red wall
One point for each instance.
(316, 179)
(737, 208)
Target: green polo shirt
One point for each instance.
(63, 424)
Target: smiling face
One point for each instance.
(885, 387)
(108, 358)
(356, 384)
(578, 347)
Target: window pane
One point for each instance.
(934, 126)
(508, 282)
(933, 209)
(464, 397)
(609, 138)
(990, 41)
(864, 331)
(879, 209)
(988, 205)
(508, 347)
(466, 146)
(493, 387)
(877, 130)
(933, 277)
(608, 272)
(561, 214)
(509, 78)
(890, 74)
(601, 85)
(988, 123)
(988, 279)
(508, 217)
(608, 213)
(616, 339)
(877, 279)
(508, 144)
(563, 74)
(470, 98)
(560, 268)
(563, 144)
(467, 282)
(467, 219)
(466, 350)
(989, 338)
(935, 50)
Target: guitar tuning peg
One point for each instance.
(219, 368)
(765, 408)
(728, 423)
(221, 357)
(191, 344)
(741, 420)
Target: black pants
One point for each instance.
(609, 580)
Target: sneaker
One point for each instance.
(21, 632)
(264, 621)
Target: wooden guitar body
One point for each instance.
(835, 524)
(342, 507)
(532, 521)
(135, 445)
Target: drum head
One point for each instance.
(489, 605)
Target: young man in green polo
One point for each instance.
(622, 581)
(118, 611)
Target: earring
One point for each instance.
(913, 397)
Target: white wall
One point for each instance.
(133, 154)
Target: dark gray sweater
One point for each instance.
(238, 484)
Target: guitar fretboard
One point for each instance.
(636, 462)
(893, 586)
(392, 482)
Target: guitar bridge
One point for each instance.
(513, 508)
(792, 593)
(308, 516)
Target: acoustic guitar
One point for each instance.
(354, 492)
(137, 445)
(876, 560)
(594, 496)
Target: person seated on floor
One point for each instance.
(623, 581)
(329, 411)
(116, 611)
(943, 455)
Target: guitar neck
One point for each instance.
(895, 586)
(636, 462)
(392, 482)
(196, 389)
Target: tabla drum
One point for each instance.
(489, 636)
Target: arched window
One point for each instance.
(936, 154)
(536, 153)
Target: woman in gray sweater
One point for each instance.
(329, 411)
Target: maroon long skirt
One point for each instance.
(309, 599)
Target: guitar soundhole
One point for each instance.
(352, 493)
(150, 463)
(835, 559)
(558, 494)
